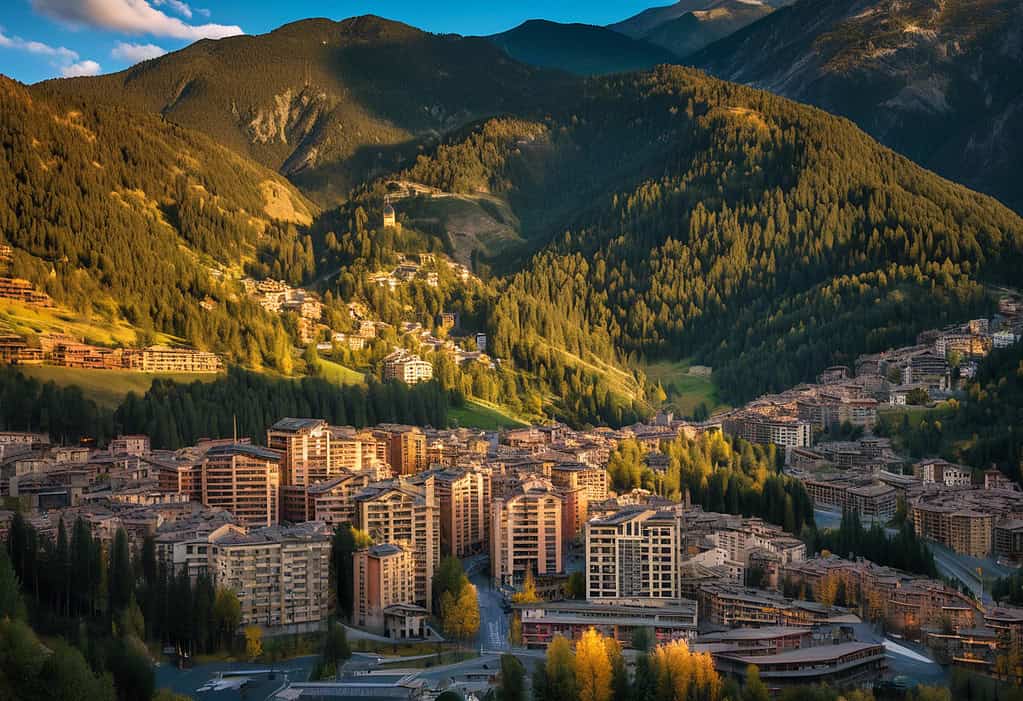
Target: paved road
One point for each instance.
(494, 627)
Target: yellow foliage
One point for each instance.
(253, 641)
(593, 666)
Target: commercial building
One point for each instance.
(526, 533)
(634, 554)
(674, 620)
(846, 664)
(408, 515)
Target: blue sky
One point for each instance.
(42, 39)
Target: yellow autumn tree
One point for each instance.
(681, 674)
(461, 616)
(560, 669)
(593, 667)
(827, 590)
(528, 593)
(253, 642)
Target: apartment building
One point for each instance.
(305, 446)
(963, 519)
(407, 367)
(525, 533)
(634, 554)
(575, 475)
(408, 515)
(333, 501)
(757, 427)
(129, 445)
(245, 480)
(853, 490)
(937, 471)
(280, 575)
(464, 498)
(739, 536)
(383, 575)
(167, 359)
(406, 447)
(23, 291)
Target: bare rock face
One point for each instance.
(289, 117)
(935, 80)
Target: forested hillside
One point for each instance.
(579, 48)
(658, 215)
(764, 238)
(119, 214)
(981, 430)
(326, 103)
(937, 80)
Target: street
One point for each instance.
(494, 628)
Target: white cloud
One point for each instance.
(37, 47)
(134, 53)
(130, 17)
(177, 6)
(81, 68)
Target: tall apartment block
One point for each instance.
(406, 447)
(384, 575)
(408, 515)
(464, 498)
(634, 554)
(526, 533)
(245, 480)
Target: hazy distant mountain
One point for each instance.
(326, 103)
(579, 48)
(941, 82)
(689, 25)
(694, 30)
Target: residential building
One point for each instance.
(383, 576)
(525, 533)
(333, 500)
(280, 575)
(408, 515)
(167, 359)
(963, 519)
(574, 475)
(407, 367)
(245, 480)
(406, 447)
(634, 554)
(129, 445)
(464, 497)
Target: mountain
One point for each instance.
(325, 103)
(121, 215)
(689, 25)
(762, 237)
(582, 49)
(695, 30)
(655, 215)
(939, 81)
